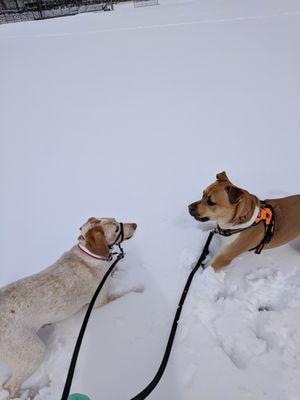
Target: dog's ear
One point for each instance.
(245, 206)
(222, 177)
(234, 194)
(96, 243)
(92, 219)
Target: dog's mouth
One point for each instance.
(193, 212)
(204, 219)
(201, 219)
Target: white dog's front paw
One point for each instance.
(138, 289)
(122, 292)
(209, 269)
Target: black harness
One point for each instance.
(269, 224)
(119, 240)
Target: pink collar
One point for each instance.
(88, 253)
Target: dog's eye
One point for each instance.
(117, 228)
(210, 202)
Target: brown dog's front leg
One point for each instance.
(240, 245)
(221, 261)
(230, 252)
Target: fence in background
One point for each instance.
(28, 10)
(144, 3)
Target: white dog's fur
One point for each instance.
(51, 296)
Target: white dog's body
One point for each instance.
(44, 298)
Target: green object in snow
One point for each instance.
(78, 396)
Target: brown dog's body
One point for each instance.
(234, 208)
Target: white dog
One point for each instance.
(54, 294)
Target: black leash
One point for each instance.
(70, 375)
(151, 386)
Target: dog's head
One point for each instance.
(224, 202)
(97, 234)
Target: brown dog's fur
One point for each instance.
(233, 207)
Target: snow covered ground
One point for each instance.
(131, 114)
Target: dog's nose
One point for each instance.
(193, 208)
(134, 226)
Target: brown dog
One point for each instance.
(252, 224)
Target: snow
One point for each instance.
(131, 114)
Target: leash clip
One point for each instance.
(120, 254)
